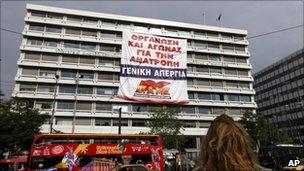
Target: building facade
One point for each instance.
(70, 61)
(280, 94)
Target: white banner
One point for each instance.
(153, 69)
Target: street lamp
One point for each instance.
(53, 110)
(78, 77)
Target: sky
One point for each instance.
(257, 17)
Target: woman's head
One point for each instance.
(226, 147)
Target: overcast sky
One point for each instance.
(257, 17)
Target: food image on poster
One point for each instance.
(153, 69)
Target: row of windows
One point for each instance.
(217, 70)
(88, 90)
(71, 59)
(89, 75)
(209, 57)
(111, 48)
(279, 69)
(217, 83)
(112, 107)
(116, 62)
(124, 122)
(279, 81)
(95, 21)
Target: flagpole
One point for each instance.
(204, 18)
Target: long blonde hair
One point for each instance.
(226, 147)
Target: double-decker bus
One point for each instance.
(96, 152)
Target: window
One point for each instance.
(124, 122)
(30, 71)
(72, 31)
(90, 33)
(84, 106)
(87, 60)
(216, 83)
(232, 97)
(139, 108)
(244, 98)
(36, 27)
(46, 88)
(102, 122)
(189, 124)
(140, 123)
(190, 95)
(47, 73)
(105, 76)
(188, 110)
(90, 47)
(200, 45)
(217, 97)
(228, 48)
(108, 62)
(35, 42)
(244, 85)
(85, 90)
(153, 108)
(90, 20)
(218, 111)
(53, 29)
(213, 46)
(63, 121)
(70, 59)
(27, 87)
(202, 69)
(203, 82)
(103, 107)
(49, 57)
(214, 58)
(230, 72)
(87, 75)
(226, 36)
(71, 45)
(108, 35)
(204, 110)
(83, 121)
(212, 34)
(54, 16)
(204, 96)
(108, 48)
(32, 56)
(74, 19)
(201, 56)
(198, 33)
(106, 91)
(67, 89)
(38, 14)
(241, 60)
(215, 70)
(229, 59)
(65, 105)
(234, 111)
(243, 73)
(51, 43)
(240, 48)
(68, 74)
(232, 84)
(204, 124)
(189, 81)
(44, 104)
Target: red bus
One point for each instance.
(96, 152)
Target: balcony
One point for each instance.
(219, 63)
(219, 76)
(118, 27)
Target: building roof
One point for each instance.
(134, 19)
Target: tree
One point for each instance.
(262, 133)
(18, 123)
(165, 122)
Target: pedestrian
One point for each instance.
(226, 147)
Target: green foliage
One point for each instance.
(165, 123)
(257, 128)
(261, 133)
(18, 123)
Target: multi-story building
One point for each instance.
(280, 94)
(61, 44)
